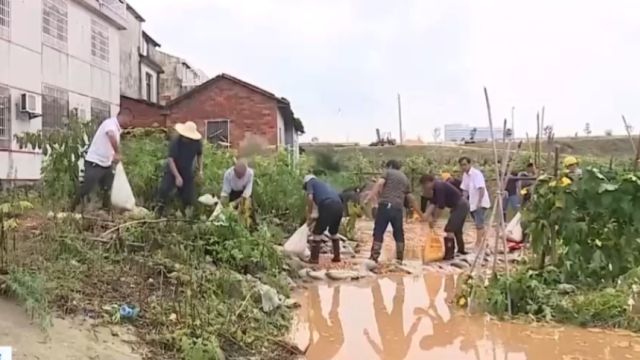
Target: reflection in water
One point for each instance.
(328, 331)
(380, 319)
(394, 344)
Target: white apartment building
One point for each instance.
(58, 58)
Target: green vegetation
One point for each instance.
(199, 283)
(585, 255)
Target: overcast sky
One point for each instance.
(342, 63)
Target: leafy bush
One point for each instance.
(589, 228)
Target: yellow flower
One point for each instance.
(565, 181)
(462, 301)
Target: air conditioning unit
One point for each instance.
(29, 105)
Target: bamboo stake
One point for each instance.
(626, 128)
(536, 159)
(636, 163)
(484, 244)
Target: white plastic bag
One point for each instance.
(514, 230)
(208, 200)
(121, 193)
(297, 243)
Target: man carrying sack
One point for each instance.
(330, 210)
(179, 173)
(103, 154)
(445, 195)
(237, 188)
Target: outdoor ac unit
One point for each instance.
(28, 103)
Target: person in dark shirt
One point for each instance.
(179, 173)
(445, 195)
(511, 199)
(330, 210)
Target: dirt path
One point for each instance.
(66, 340)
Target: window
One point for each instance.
(55, 108)
(99, 41)
(5, 17)
(100, 110)
(54, 23)
(5, 118)
(218, 132)
(148, 83)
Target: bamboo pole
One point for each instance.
(626, 128)
(499, 208)
(536, 159)
(636, 163)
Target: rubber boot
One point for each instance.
(399, 252)
(335, 244)
(449, 247)
(315, 252)
(376, 248)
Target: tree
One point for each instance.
(548, 133)
(608, 132)
(587, 129)
(508, 133)
(472, 134)
(436, 134)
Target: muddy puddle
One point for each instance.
(398, 318)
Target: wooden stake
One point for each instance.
(626, 128)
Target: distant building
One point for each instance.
(461, 132)
(178, 77)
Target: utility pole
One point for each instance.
(400, 120)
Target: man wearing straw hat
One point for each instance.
(179, 173)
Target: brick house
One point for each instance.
(227, 110)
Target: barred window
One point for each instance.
(55, 22)
(5, 17)
(55, 108)
(5, 118)
(218, 132)
(100, 110)
(99, 40)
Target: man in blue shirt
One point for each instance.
(330, 209)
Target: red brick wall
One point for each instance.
(248, 111)
(146, 114)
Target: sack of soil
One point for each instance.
(433, 249)
(297, 244)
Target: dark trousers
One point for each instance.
(455, 223)
(388, 214)
(94, 176)
(186, 193)
(329, 217)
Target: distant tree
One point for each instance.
(508, 133)
(315, 139)
(436, 134)
(548, 133)
(587, 129)
(576, 134)
(608, 132)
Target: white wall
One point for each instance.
(26, 64)
(130, 42)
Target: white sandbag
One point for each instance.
(121, 193)
(514, 230)
(297, 243)
(208, 200)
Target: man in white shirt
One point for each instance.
(475, 189)
(103, 154)
(237, 183)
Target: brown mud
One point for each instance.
(398, 318)
(67, 339)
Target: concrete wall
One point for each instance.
(27, 63)
(130, 42)
(176, 79)
(281, 131)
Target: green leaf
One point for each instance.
(607, 187)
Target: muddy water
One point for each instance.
(410, 318)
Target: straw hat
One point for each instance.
(188, 130)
